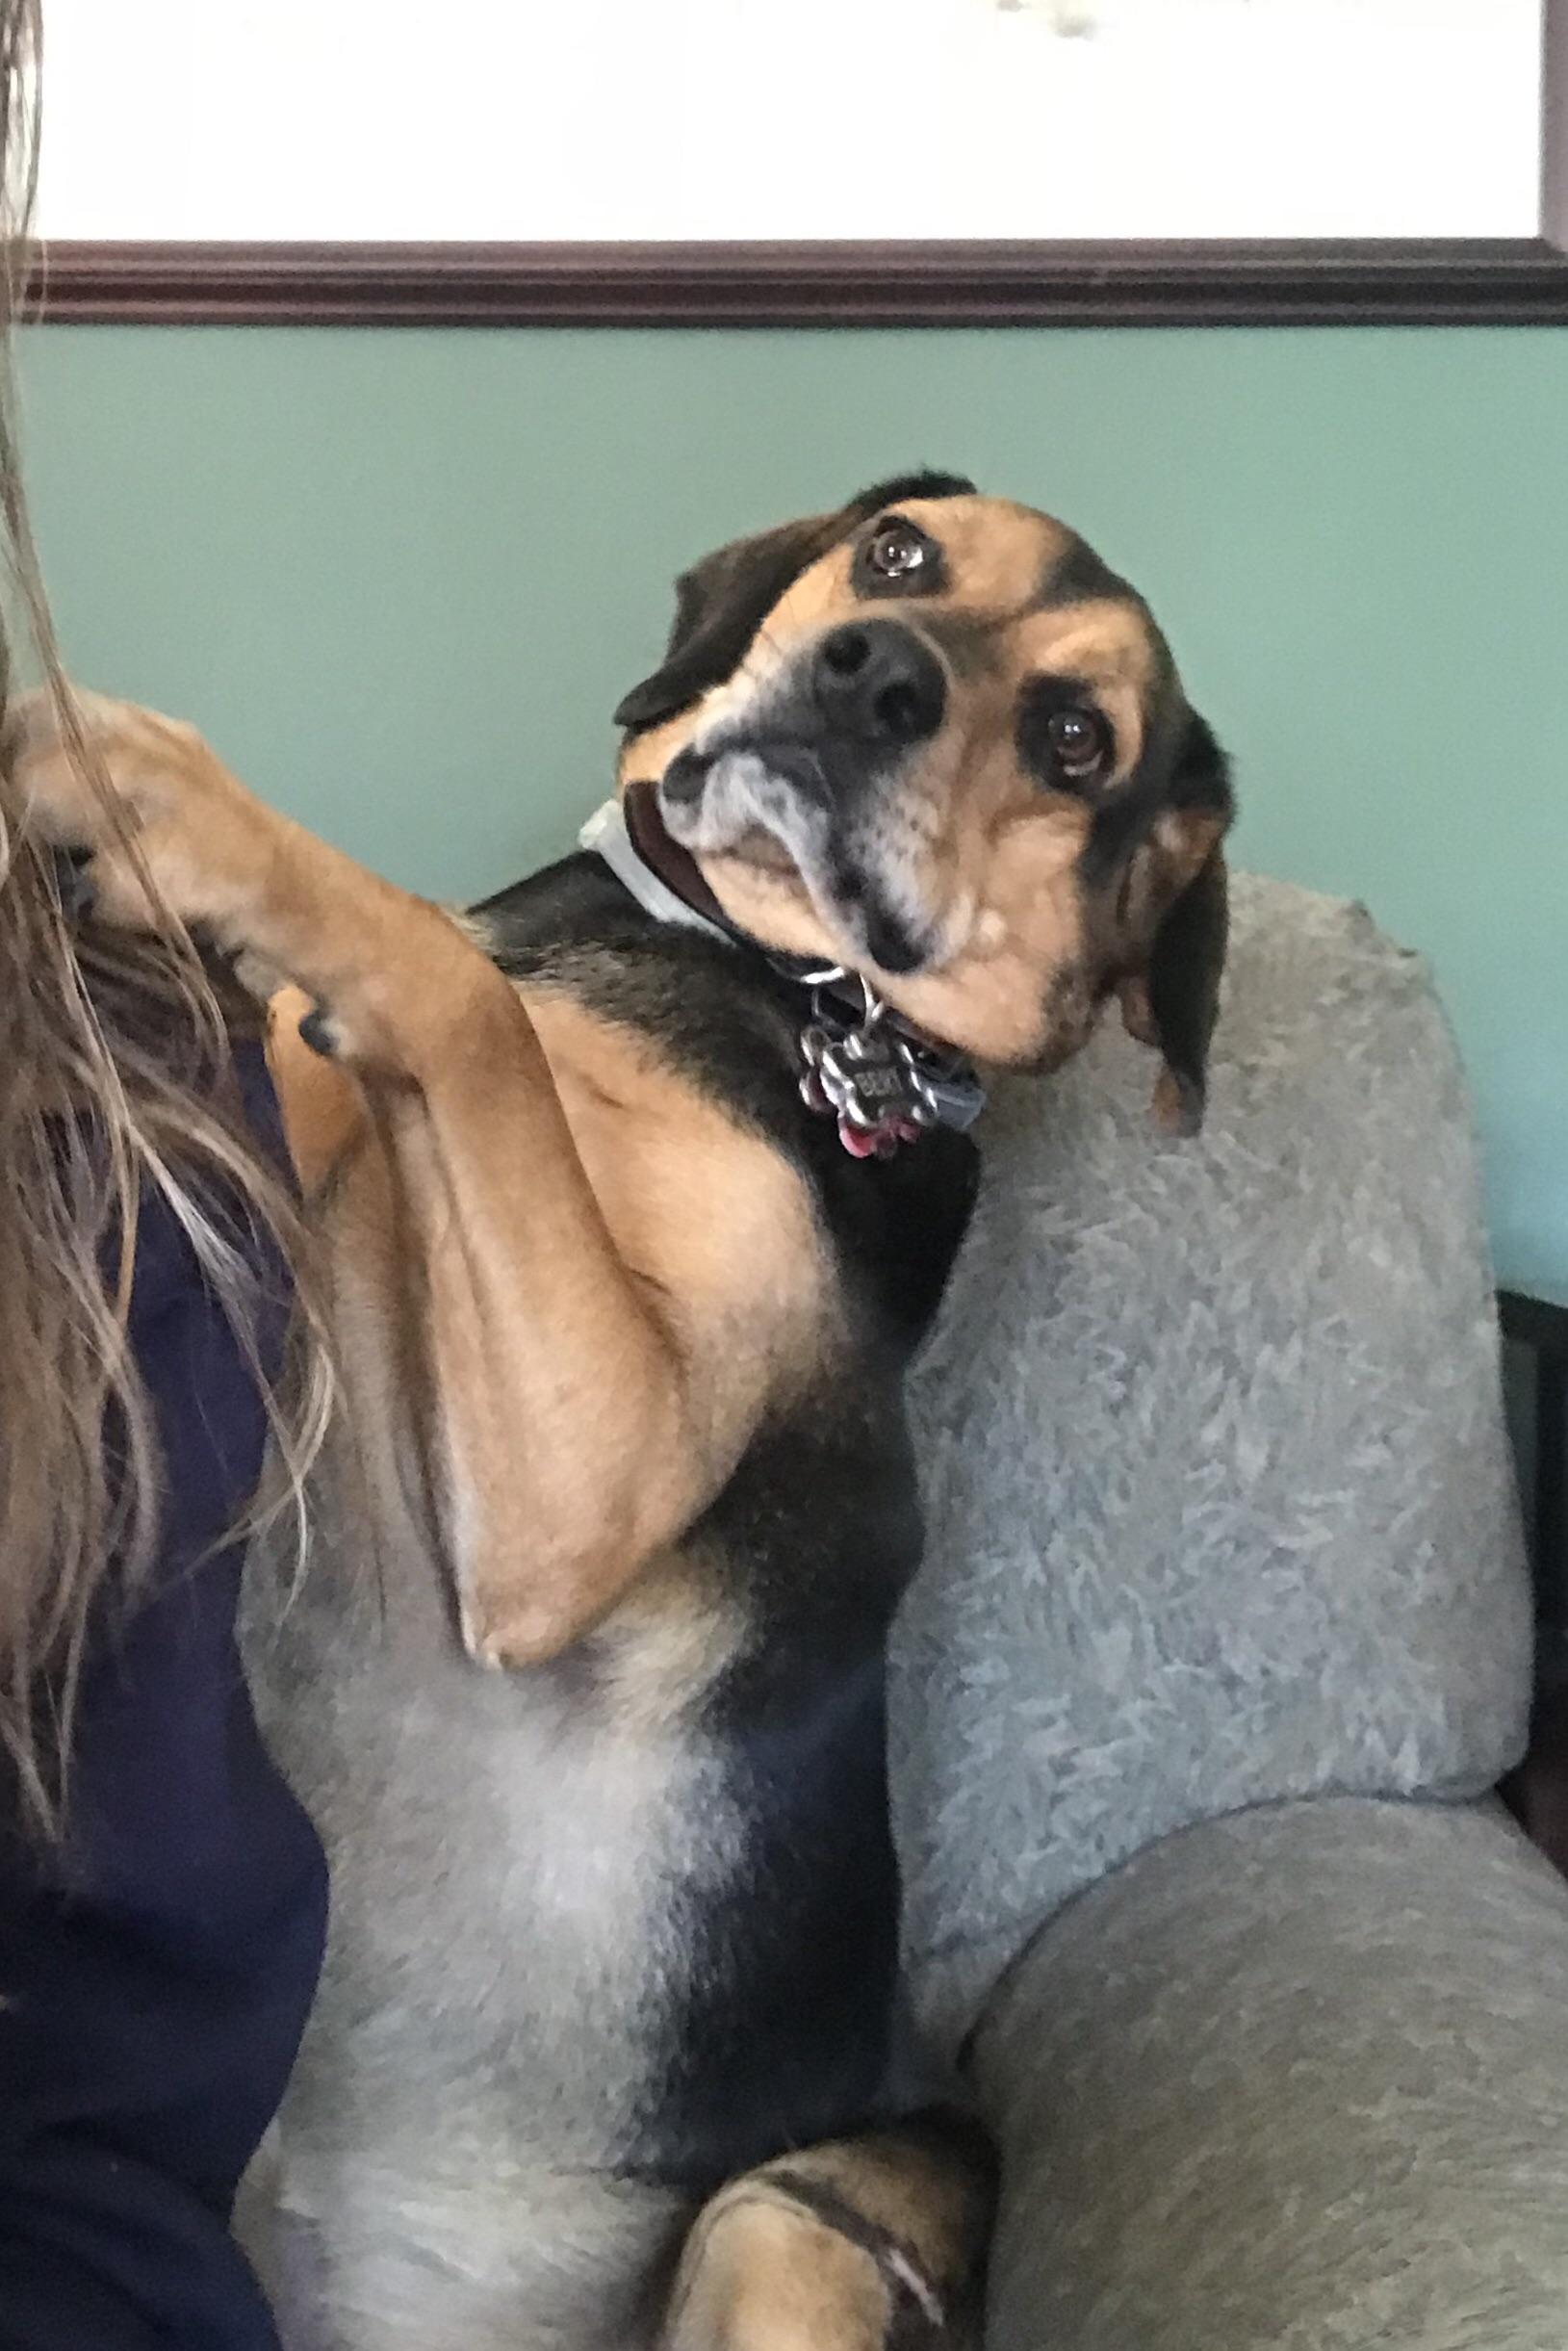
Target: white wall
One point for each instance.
(562, 118)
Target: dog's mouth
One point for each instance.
(811, 813)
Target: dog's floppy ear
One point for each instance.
(722, 601)
(1185, 968)
(719, 606)
(1175, 1003)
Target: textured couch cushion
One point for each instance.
(1220, 1504)
(1293, 2081)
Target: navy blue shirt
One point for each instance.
(155, 1977)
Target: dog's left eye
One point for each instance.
(1078, 740)
(896, 550)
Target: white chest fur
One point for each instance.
(515, 1861)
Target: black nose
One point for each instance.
(875, 679)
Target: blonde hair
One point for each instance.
(116, 1089)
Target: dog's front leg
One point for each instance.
(577, 1432)
(575, 1427)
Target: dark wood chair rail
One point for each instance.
(1359, 282)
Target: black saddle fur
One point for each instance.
(817, 1534)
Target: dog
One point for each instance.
(638, 1186)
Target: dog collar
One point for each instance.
(882, 1081)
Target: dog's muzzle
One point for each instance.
(813, 761)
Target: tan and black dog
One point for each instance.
(638, 1189)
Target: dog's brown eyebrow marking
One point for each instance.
(971, 641)
(1106, 640)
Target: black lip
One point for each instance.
(890, 945)
(682, 784)
(889, 939)
(799, 763)
(824, 767)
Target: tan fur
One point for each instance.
(765, 2276)
(738, 1247)
(763, 2272)
(324, 1110)
(905, 2183)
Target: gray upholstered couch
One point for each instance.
(1221, 1641)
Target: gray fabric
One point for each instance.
(1298, 2079)
(1221, 1509)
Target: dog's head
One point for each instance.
(933, 737)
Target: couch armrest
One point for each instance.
(1295, 2077)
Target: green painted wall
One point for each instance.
(400, 578)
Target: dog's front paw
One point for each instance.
(153, 821)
